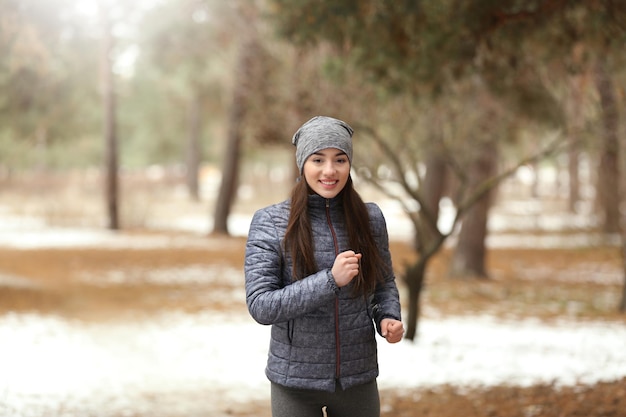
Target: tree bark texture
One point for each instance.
(414, 278)
(622, 305)
(434, 187)
(427, 237)
(575, 127)
(468, 259)
(236, 116)
(110, 124)
(608, 171)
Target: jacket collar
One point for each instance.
(317, 201)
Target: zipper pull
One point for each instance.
(327, 202)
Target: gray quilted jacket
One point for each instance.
(321, 335)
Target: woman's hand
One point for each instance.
(392, 330)
(346, 267)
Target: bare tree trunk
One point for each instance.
(609, 186)
(110, 123)
(414, 278)
(468, 259)
(622, 305)
(576, 124)
(193, 148)
(573, 170)
(434, 188)
(230, 168)
(237, 113)
(427, 237)
(608, 175)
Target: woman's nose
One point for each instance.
(329, 168)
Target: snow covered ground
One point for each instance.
(190, 364)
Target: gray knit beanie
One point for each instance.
(319, 133)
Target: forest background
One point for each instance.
(126, 115)
(450, 100)
(455, 104)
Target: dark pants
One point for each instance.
(361, 401)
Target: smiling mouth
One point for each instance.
(328, 183)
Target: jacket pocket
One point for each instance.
(290, 328)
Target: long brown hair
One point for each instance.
(299, 241)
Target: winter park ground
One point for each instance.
(153, 323)
(133, 331)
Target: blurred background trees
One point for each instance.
(448, 99)
(505, 61)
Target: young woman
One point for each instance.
(318, 269)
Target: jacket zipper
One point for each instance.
(337, 339)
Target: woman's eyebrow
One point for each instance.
(321, 154)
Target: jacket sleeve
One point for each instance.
(268, 298)
(385, 302)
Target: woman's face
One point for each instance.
(327, 171)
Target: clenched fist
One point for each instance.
(346, 267)
(392, 330)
